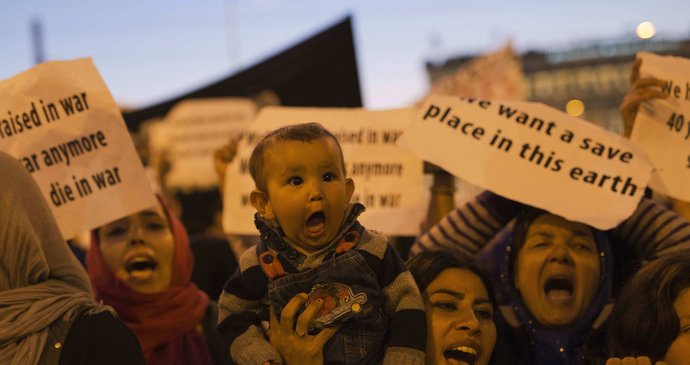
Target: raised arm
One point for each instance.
(654, 231)
(470, 227)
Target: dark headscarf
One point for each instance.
(549, 345)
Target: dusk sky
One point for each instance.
(148, 51)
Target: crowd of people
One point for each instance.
(492, 281)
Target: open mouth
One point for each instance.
(316, 223)
(559, 290)
(140, 263)
(462, 353)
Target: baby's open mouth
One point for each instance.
(462, 353)
(316, 223)
(559, 290)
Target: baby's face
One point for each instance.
(307, 191)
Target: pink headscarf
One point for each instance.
(167, 323)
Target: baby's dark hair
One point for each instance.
(305, 132)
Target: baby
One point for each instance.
(311, 242)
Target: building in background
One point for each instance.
(597, 74)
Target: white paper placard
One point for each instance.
(60, 121)
(534, 154)
(662, 126)
(195, 129)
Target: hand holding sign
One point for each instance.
(642, 89)
(662, 125)
(533, 154)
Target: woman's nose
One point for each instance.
(560, 253)
(136, 237)
(467, 321)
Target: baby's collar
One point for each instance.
(272, 234)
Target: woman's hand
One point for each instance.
(292, 340)
(641, 360)
(641, 90)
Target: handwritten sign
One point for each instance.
(60, 121)
(195, 129)
(662, 126)
(388, 179)
(534, 154)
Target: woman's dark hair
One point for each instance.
(426, 266)
(645, 323)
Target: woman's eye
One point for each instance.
(686, 330)
(329, 176)
(296, 180)
(484, 314)
(540, 245)
(115, 231)
(155, 226)
(447, 306)
(583, 247)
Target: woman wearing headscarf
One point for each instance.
(554, 275)
(141, 265)
(47, 314)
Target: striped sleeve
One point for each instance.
(239, 306)
(403, 305)
(469, 227)
(654, 231)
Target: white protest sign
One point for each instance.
(534, 154)
(60, 121)
(388, 180)
(195, 129)
(662, 126)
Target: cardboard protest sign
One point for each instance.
(388, 180)
(60, 121)
(534, 154)
(662, 126)
(195, 129)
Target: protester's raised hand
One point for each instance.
(641, 360)
(642, 89)
(290, 336)
(222, 158)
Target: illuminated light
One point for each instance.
(645, 30)
(575, 108)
